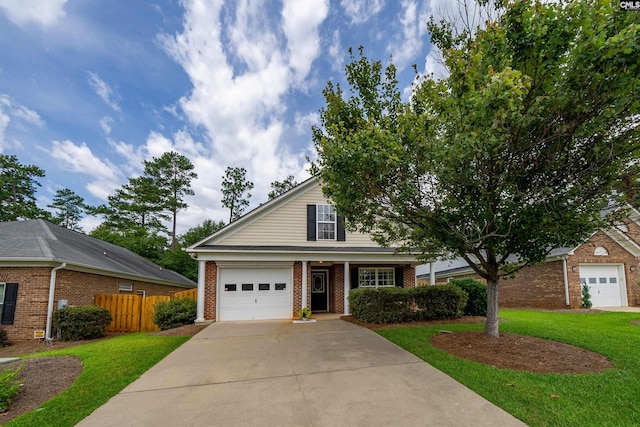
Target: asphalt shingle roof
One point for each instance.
(39, 240)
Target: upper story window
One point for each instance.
(326, 222)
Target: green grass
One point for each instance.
(108, 367)
(610, 398)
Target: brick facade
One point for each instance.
(210, 289)
(542, 286)
(78, 288)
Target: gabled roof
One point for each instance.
(255, 214)
(41, 242)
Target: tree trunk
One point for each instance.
(173, 231)
(491, 326)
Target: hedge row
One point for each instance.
(395, 305)
(81, 322)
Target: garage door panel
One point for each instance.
(260, 294)
(605, 284)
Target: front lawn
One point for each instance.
(610, 398)
(108, 367)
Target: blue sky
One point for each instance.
(90, 89)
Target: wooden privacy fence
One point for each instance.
(134, 313)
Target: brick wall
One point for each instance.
(210, 279)
(409, 277)
(542, 286)
(337, 283)
(297, 288)
(617, 255)
(77, 288)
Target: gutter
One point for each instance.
(52, 291)
(566, 280)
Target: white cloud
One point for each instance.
(300, 24)
(45, 13)
(360, 11)
(104, 176)
(337, 52)
(10, 109)
(104, 91)
(4, 123)
(243, 62)
(303, 122)
(105, 124)
(28, 116)
(407, 43)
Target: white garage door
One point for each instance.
(255, 293)
(605, 285)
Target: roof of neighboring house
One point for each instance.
(39, 241)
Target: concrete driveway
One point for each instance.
(275, 373)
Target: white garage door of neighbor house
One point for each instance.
(605, 284)
(255, 293)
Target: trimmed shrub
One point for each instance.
(477, 291)
(9, 386)
(82, 322)
(380, 305)
(438, 302)
(397, 305)
(4, 339)
(173, 313)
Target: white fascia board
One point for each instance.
(257, 213)
(360, 257)
(623, 240)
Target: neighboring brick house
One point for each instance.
(607, 262)
(289, 253)
(37, 257)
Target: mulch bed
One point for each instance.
(509, 351)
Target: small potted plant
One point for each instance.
(304, 313)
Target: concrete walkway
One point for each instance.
(275, 373)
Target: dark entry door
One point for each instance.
(319, 291)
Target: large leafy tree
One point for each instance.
(137, 239)
(170, 175)
(18, 184)
(69, 208)
(279, 187)
(516, 152)
(235, 191)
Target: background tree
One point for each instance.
(200, 232)
(69, 209)
(140, 240)
(280, 187)
(513, 154)
(170, 175)
(18, 184)
(235, 191)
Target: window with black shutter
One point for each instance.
(8, 306)
(311, 222)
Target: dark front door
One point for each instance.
(319, 291)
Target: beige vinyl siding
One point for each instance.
(287, 225)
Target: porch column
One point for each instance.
(432, 274)
(346, 287)
(200, 300)
(304, 284)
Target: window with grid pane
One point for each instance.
(326, 222)
(375, 277)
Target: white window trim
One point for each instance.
(125, 287)
(334, 222)
(377, 271)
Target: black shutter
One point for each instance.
(341, 235)
(311, 222)
(399, 277)
(354, 278)
(9, 308)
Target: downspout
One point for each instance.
(52, 291)
(566, 281)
